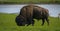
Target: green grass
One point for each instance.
(28, 1)
(7, 23)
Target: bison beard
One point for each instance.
(31, 12)
(20, 20)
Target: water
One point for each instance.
(54, 9)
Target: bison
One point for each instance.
(31, 12)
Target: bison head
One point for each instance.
(20, 20)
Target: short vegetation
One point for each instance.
(7, 23)
(29, 1)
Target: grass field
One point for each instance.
(29, 1)
(7, 23)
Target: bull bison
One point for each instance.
(31, 12)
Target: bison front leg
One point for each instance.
(29, 21)
(43, 20)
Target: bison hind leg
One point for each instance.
(47, 20)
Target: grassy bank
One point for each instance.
(7, 23)
(29, 1)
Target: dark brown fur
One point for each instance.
(41, 13)
(31, 12)
(27, 13)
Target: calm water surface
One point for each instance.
(54, 9)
